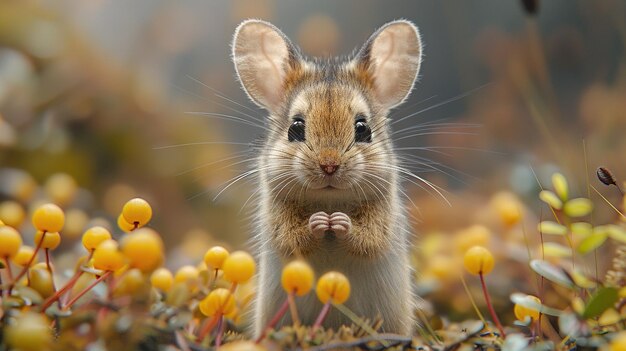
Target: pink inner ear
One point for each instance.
(396, 55)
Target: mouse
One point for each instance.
(329, 179)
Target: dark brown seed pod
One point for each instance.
(605, 176)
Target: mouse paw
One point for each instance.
(340, 224)
(319, 224)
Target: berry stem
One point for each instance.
(85, 290)
(494, 316)
(70, 284)
(220, 332)
(320, 318)
(281, 312)
(30, 261)
(206, 328)
(293, 309)
(8, 265)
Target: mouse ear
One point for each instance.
(263, 57)
(392, 57)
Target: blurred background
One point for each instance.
(95, 99)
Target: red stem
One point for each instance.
(494, 316)
(220, 331)
(320, 318)
(9, 272)
(70, 284)
(208, 327)
(80, 294)
(281, 312)
(27, 266)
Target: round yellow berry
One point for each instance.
(94, 236)
(162, 279)
(297, 278)
(12, 213)
(478, 260)
(215, 257)
(107, 256)
(137, 212)
(218, 301)
(521, 312)
(239, 267)
(333, 285)
(29, 332)
(50, 240)
(472, 236)
(49, 218)
(123, 225)
(41, 280)
(143, 249)
(61, 188)
(187, 274)
(75, 222)
(23, 255)
(130, 282)
(508, 207)
(10, 241)
(619, 342)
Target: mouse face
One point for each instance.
(329, 133)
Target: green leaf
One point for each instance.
(578, 207)
(556, 250)
(600, 302)
(552, 228)
(581, 228)
(551, 199)
(553, 273)
(592, 242)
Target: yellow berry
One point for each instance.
(49, 218)
(107, 256)
(187, 274)
(218, 301)
(239, 267)
(23, 255)
(619, 342)
(137, 212)
(333, 285)
(10, 241)
(50, 240)
(478, 260)
(94, 236)
(29, 332)
(130, 282)
(41, 280)
(143, 249)
(508, 207)
(123, 225)
(12, 213)
(162, 279)
(521, 312)
(215, 257)
(61, 188)
(75, 222)
(297, 278)
(472, 236)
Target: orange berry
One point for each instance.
(215, 257)
(10, 241)
(218, 301)
(61, 188)
(49, 218)
(478, 260)
(137, 212)
(333, 285)
(123, 225)
(107, 256)
(187, 274)
(297, 277)
(23, 255)
(50, 240)
(162, 279)
(12, 213)
(239, 267)
(94, 236)
(521, 312)
(144, 249)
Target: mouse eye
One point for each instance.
(362, 131)
(296, 130)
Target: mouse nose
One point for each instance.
(329, 169)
